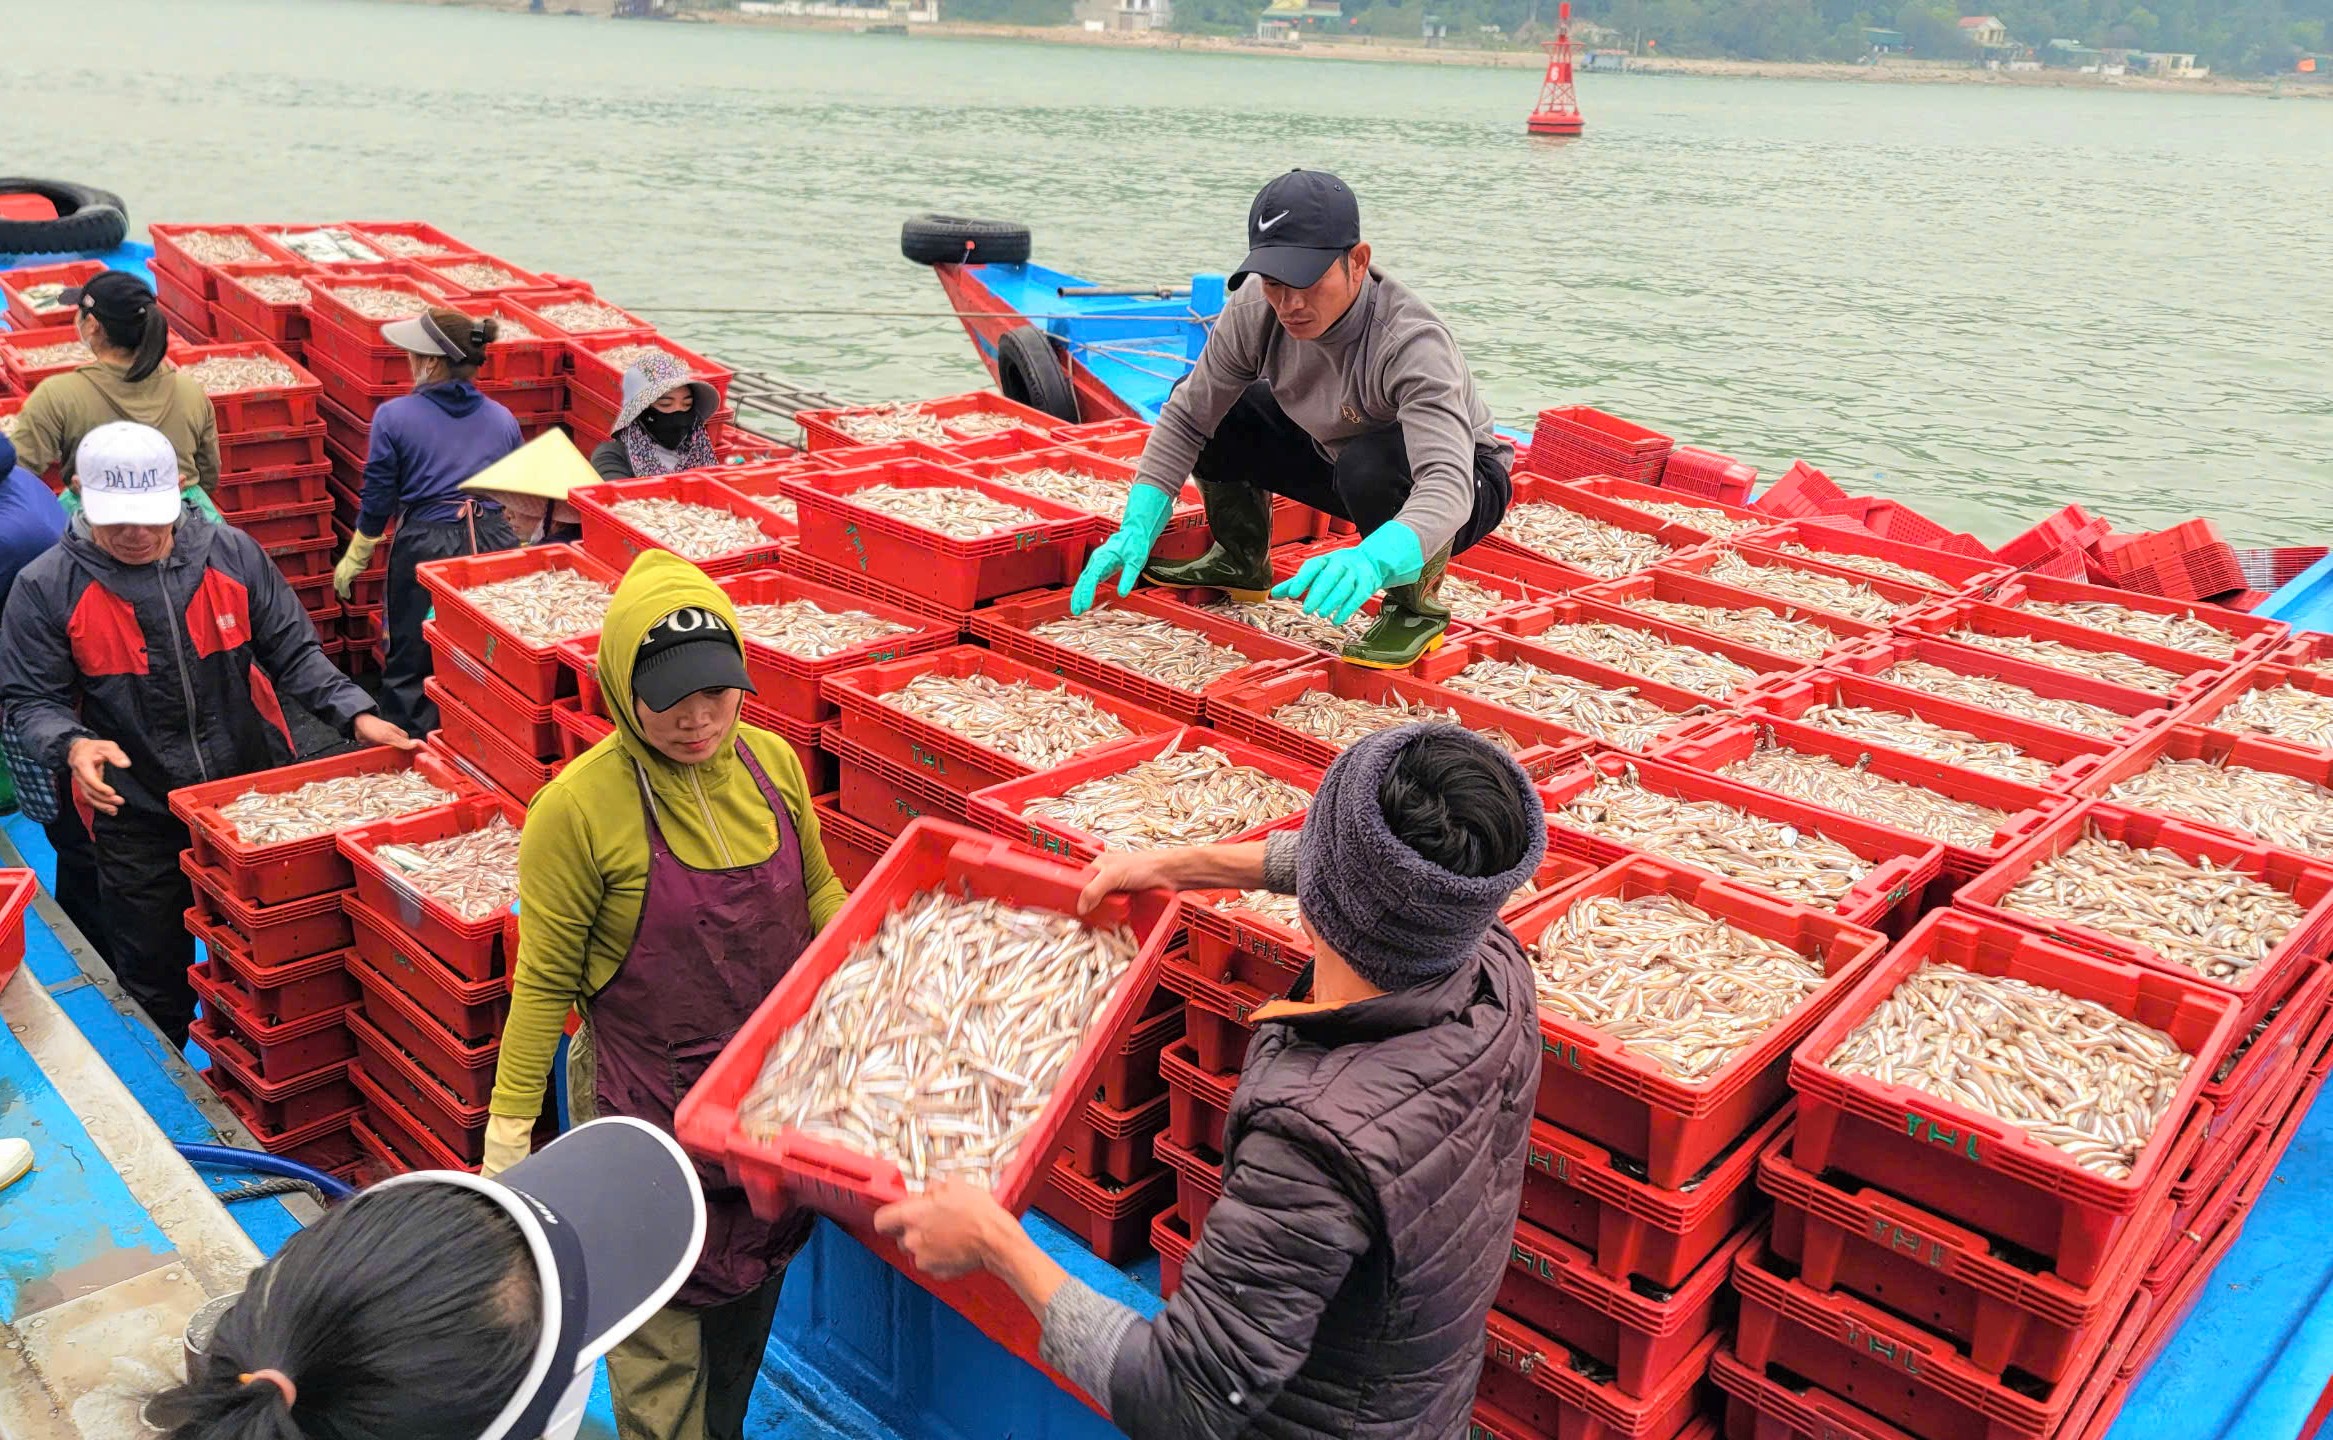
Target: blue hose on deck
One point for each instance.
(332, 1186)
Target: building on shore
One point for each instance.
(1984, 32)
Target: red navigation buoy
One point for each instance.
(1558, 111)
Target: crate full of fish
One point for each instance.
(27, 357)
(1641, 1339)
(577, 312)
(2176, 676)
(1185, 787)
(1668, 656)
(1562, 538)
(971, 718)
(1942, 573)
(1691, 602)
(1475, 594)
(447, 877)
(1978, 817)
(2214, 632)
(945, 422)
(2238, 916)
(255, 389)
(271, 833)
(695, 516)
(1538, 1387)
(33, 295)
(1149, 648)
(192, 253)
(795, 632)
(475, 277)
(512, 610)
(1082, 480)
(2239, 785)
(1911, 724)
(597, 364)
(2018, 689)
(2284, 707)
(1704, 515)
(1312, 712)
(484, 753)
(1668, 1005)
(2056, 1141)
(939, 532)
(946, 1024)
(1814, 586)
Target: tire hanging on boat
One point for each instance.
(960, 240)
(1028, 370)
(88, 219)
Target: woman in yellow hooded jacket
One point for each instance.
(668, 878)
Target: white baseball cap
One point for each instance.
(129, 475)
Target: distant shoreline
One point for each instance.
(1365, 50)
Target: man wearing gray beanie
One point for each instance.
(1373, 1153)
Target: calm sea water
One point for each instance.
(1987, 302)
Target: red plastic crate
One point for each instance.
(1691, 711)
(267, 934)
(2101, 777)
(885, 795)
(2144, 712)
(2210, 709)
(1906, 600)
(293, 529)
(2252, 638)
(341, 330)
(1198, 1182)
(1172, 1239)
(1803, 493)
(1199, 1102)
(1949, 572)
(999, 808)
(1686, 587)
(392, 1137)
(1007, 626)
(13, 283)
(472, 1011)
(267, 410)
(533, 671)
(1599, 1088)
(172, 261)
(2309, 883)
(822, 433)
(1636, 496)
(2072, 757)
(25, 376)
(321, 1094)
(790, 686)
(1000, 470)
(551, 296)
(1893, 520)
(464, 1068)
(1502, 554)
(1113, 1146)
(1574, 609)
(851, 1186)
(327, 1144)
(294, 487)
(2276, 1050)
(851, 580)
(616, 542)
(464, 676)
(459, 1127)
(481, 752)
(374, 232)
(852, 845)
(2072, 528)
(187, 317)
(2023, 807)
(1551, 1287)
(1889, 893)
(248, 456)
(960, 574)
(434, 269)
(1245, 711)
(595, 375)
(2193, 674)
(1977, 1169)
(1585, 425)
(1707, 475)
(471, 949)
(356, 397)
(273, 874)
(578, 728)
(1548, 1389)
(1112, 1220)
(273, 994)
(1522, 605)
(1129, 1075)
(961, 765)
(285, 1051)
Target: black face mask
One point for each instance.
(669, 428)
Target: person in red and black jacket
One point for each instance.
(145, 653)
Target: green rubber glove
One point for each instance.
(1338, 584)
(1125, 553)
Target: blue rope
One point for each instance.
(227, 1157)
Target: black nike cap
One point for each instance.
(691, 649)
(1301, 222)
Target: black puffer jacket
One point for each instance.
(1373, 1166)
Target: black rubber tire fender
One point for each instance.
(1028, 370)
(88, 219)
(960, 240)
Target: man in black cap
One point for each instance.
(1330, 383)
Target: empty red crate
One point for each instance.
(885, 795)
(1893, 520)
(1600, 1088)
(1889, 891)
(1551, 1287)
(1942, 572)
(1048, 549)
(826, 430)
(22, 313)
(1246, 710)
(532, 670)
(960, 764)
(1630, 1230)
(1685, 587)
(273, 994)
(1000, 809)
(2248, 637)
(1113, 1146)
(2060, 759)
(1978, 625)
(1707, 475)
(1172, 1239)
(268, 934)
(1199, 1102)
(850, 1185)
(2306, 739)
(291, 869)
(283, 1050)
(1542, 631)
(526, 724)
(173, 259)
(616, 542)
(1552, 1391)
(1007, 628)
(293, 486)
(788, 684)
(1976, 1168)
(2072, 528)
(1803, 493)
(472, 1011)
(598, 364)
(578, 729)
(321, 1094)
(1113, 1220)
(471, 949)
(2138, 711)
(1715, 516)
(1584, 425)
(464, 1067)
(392, 1137)
(1198, 1182)
(481, 751)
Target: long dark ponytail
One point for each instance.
(147, 340)
(410, 1313)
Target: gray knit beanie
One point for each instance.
(1396, 917)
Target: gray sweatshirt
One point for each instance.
(1389, 360)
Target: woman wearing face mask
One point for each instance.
(439, 1306)
(661, 427)
(128, 378)
(424, 446)
(668, 879)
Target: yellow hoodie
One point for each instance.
(583, 857)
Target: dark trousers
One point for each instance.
(76, 888)
(403, 703)
(146, 897)
(1257, 445)
(687, 1373)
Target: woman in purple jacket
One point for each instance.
(424, 446)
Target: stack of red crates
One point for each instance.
(273, 474)
(187, 264)
(2188, 561)
(1576, 440)
(275, 983)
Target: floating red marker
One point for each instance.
(1558, 111)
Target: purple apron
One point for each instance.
(711, 946)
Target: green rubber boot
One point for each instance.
(1240, 560)
(1410, 622)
